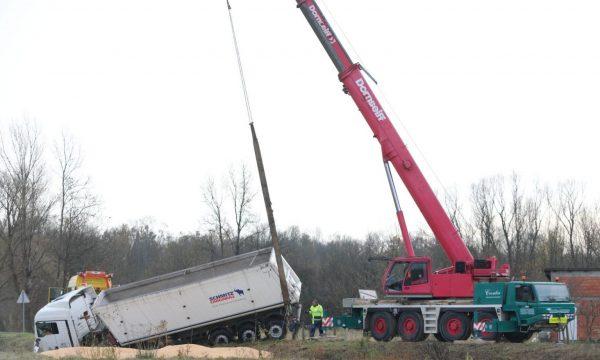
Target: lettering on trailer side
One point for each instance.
(324, 27)
(228, 296)
(377, 111)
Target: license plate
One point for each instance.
(558, 320)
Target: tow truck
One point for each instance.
(99, 280)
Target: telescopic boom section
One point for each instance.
(393, 148)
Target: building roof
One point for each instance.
(548, 271)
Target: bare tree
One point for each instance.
(216, 216)
(512, 213)
(454, 210)
(533, 224)
(76, 207)
(590, 232)
(567, 209)
(555, 246)
(241, 196)
(24, 206)
(483, 198)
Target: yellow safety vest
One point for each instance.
(316, 313)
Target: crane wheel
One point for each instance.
(453, 326)
(383, 326)
(469, 331)
(410, 326)
(486, 317)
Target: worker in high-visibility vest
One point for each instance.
(316, 317)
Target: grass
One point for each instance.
(432, 350)
(19, 346)
(16, 346)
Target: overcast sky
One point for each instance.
(151, 92)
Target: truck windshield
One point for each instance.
(552, 292)
(46, 328)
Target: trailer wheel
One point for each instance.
(453, 326)
(383, 326)
(247, 333)
(410, 326)
(486, 318)
(518, 337)
(276, 329)
(220, 336)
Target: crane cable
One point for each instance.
(241, 69)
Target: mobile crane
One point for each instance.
(419, 300)
(455, 281)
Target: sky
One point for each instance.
(151, 92)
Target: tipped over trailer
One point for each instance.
(234, 298)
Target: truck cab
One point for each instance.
(527, 307)
(65, 321)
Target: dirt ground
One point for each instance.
(19, 346)
(431, 349)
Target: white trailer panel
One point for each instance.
(223, 290)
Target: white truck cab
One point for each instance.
(65, 321)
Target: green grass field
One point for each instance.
(19, 346)
(16, 346)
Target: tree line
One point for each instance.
(49, 232)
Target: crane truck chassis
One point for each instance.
(513, 310)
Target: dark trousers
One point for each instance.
(317, 324)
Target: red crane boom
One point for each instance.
(394, 151)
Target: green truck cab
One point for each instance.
(526, 307)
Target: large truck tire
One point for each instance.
(518, 337)
(220, 336)
(486, 317)
(469, 328)
(276, 328)
(383, 326)
(453, 326)
(410, 326)
(247, 332)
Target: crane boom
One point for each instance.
(393, 148)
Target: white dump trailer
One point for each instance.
(216, 302)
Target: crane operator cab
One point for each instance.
(412, 277)
(408, 276)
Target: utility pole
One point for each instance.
(261, 171)
(263, 177)
(274, 237)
